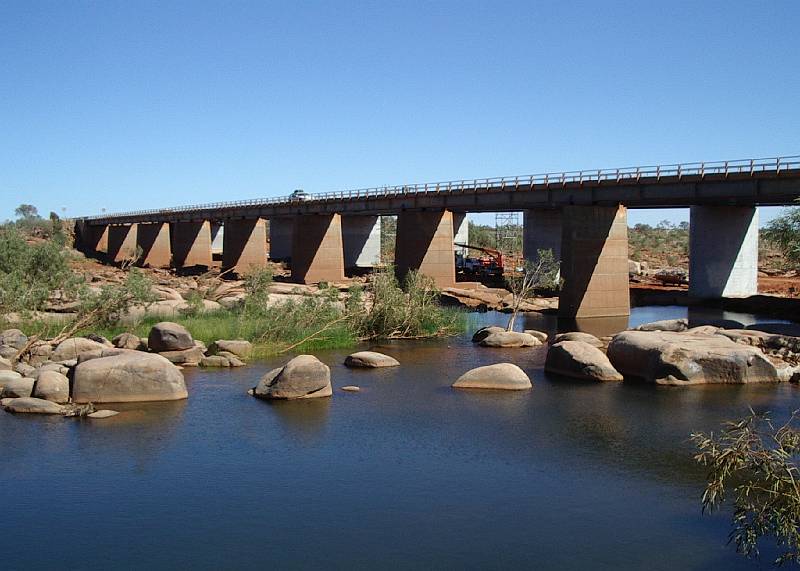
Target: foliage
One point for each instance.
(665, 243)
(784, 232)
(26, 211)
(256, 286)
(541, 272)
(758, 459)
(113, 301)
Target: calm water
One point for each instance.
(408, 473)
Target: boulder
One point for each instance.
(665, 325)
(484, 332)
(100, 339)
(52, 386)
(168, 336)
(32, 405)
(581, 361)
(127, 341)
(106, 352)
(132, 376)
(71, 348)
(351, 388)
(580, 336)
(509, 339)
(6, 376)
(303, 377)
(26, 370)
(57, 367)
(703, 330)
(16, 388)
(39, 353)
(634, 268)
(239, 347)
(215, 361)
(13, 338)
(540, 335)
(5, 365)
(100, 414)
(189, 357)
(370, 359)
(670, 358)
(7, 352)
(504, 376)
(233, 360)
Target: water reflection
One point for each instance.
(304, 419)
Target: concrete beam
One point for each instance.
(122, 242)
(594, 262)
(425, 243)
(154, 241)
(317, 252)
(461, 232)
(281, 231)
(191, 244)
(541, 231)
(361, 239)
(723, 251)
(244, 245)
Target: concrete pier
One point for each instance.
(122, 242)
(723, 251)
(281, 231)
(461, 232)
(244, 245)
(425, 243)
(594, 262)
(154, 242)
(541, 231)
(317, 252)
(94, 239)
(361, 239)
(191, 244)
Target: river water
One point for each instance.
(407, 473)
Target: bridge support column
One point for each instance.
(93, 239)
(191, 244)
(723, 251)
(541, 231)
(594, 262)
(244, 244)
(122, 242)
(154, 241)
(280, 238)
(361, 239)
(461, 232)
(317, 253)
(425, 243)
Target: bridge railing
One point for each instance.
(749, 167)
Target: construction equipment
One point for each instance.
(488, 266)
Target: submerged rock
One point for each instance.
(351, 388)
(132, 376)
(169, 336)
(32, 405)
(581, 361)
(100, 414)
(503, 376)
(510, 339)
(303, 377)
(671, 358)
(370, 359)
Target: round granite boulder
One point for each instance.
(503, 376)
(370, 360)
(31, 405)
(52, 386)
(581, 361)
(72, 348)
(303, 377)
(169, 336)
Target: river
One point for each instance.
(407, 473)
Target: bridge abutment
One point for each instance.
(361, 239)
(541, 230)
(191, 244)
(244, 244)
(154, 241)
(723, 251)
(122, 242)
(425, 243)
(317, 251)
(281, 231)
(594, 262)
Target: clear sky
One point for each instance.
(139, 104)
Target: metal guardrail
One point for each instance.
(749, 167)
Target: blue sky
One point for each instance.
(128, 105)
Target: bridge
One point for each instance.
(580, 215)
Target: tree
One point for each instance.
(784, 232)
(758, 459)
(543, 271)
(26, 211)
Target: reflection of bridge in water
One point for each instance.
(580, 215)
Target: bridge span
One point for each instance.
(580, 215)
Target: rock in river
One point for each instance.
(168, 336)
(505, 376)
(581, 361)
(239, 347)
(484, 332)
(579, 336)
(370, 359)
(16, 388)
(509, 339)
(32, 405)
(303, 377)
(132, 376)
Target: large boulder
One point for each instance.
(32, 405)
(510, 339)
(504, 376)
(581, 361)
(239, 347)
(303, 377)
(13, 338)
(579, 336)
(132, 376)
(370, 359)
(127, 341)
(72, 348)
(52, 386)
(189, 357)
(5, 365)
(6, 376)
(484, 332)
(671, 358)
(15, 388)
(168, 336)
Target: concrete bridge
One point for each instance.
(580, 215)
